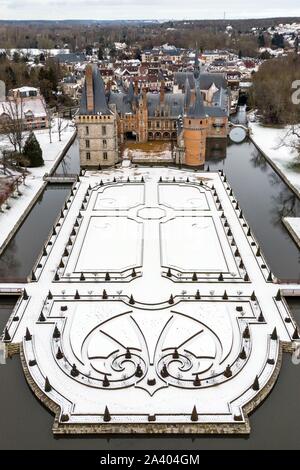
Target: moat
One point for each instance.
(264, 199)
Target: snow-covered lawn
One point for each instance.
(269, 140)
(293, 225)
(153, 151)
(34, 181)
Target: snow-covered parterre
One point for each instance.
(151, 308)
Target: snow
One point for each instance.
(293, 225)
(137, 155)
(96, 333)
(33, 52)
(34, 107)
(121, 199)
(285, 159)
(34, 181)
(110, 255)
(184, 198)
(190, 245)
(25, 89)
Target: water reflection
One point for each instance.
(265, 199)
(70, 163)
(275, 425)
(258, 160)
(17, 260)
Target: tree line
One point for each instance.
(16, 73)
(272, 90)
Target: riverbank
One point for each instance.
(293, 226)
(282, 158)
(53, 152)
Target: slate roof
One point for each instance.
(122, 102)
(100, 101)
(71, 58)
(181, 77)
(205, 79)
(30, 106)
(197, 110)
(173, 104)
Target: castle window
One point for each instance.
(87, 144)
(87, 131)
(105, 143)
(104, 155)
(103, 130)
(157, 124)
(88, 155)
(200, 122)
(190, 122)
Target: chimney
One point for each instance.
(108, 86)
(144, 95)
(89, 88)
(136, 88)
(162, 92)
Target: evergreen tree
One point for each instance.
(296, 44)
(106, 416)
(261, 41)
(194, 415)
(33, 152)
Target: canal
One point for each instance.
(264, 198)
(18, 258)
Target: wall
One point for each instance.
(97, 147)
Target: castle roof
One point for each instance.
(173, 104)
(197, 110)
(100, 101)
(122, 102)
(187, 93)
(205, 80)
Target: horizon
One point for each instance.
(160, 20)
(141, 10)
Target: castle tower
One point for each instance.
(195, 129)
(96, 123)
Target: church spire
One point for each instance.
(130, 92)
(187, 93)
(196, 64)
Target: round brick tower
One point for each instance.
(195, 127)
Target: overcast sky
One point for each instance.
(145, 9)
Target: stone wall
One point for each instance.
(98, 140)
(195, 133)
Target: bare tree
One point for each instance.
(60, 123)
(49, 116)
(291, 138)
(13, 123)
